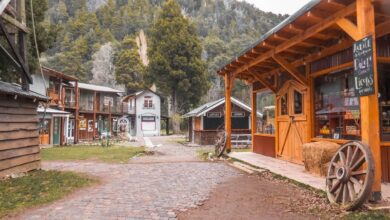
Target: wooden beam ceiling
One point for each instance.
(313, 30)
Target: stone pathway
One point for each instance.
(148, 188)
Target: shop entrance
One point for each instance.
(292, 127)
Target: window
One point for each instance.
(337, 108)
(214, 114)
(384, 91)
(284, 104)
(298, 103)
(148, 102)
(238, 114)
(70, 97)
(265, 122)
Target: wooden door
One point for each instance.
(56, 130)
(292, 125)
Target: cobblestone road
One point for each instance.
(155, 187)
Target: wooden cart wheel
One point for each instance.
(220, 144)
(350, 175)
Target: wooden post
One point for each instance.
(109, 118)
(254, 116)
(94, 114)
(167, 126)
(369, 105)
(77, 112)
(228, 112)
(22, 40)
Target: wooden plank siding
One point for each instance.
(19, 136)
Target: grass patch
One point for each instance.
(104, 154)
(204, 154)
(367, 215)
(37, 188)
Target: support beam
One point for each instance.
(350, 28)
(369, 105)
(254, 115)
(228, 112)
(262, 81)
(320, 26)
(15, 23)
(15, 52)
(290, 69)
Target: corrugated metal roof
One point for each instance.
(97, 88)
(14, 89)
(3, 5)
(212, 105)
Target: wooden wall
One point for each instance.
(264, 144)
(19, 138)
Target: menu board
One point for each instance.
(363, 58)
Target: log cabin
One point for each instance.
(327, 68)
(19, 139)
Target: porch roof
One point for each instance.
(317, 30)
(98, 88)
(52, 111)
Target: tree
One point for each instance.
(103, 70)
(176, 64)
(45, 34)
(129, 68)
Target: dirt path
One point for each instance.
(261, 197)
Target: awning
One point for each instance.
(53, 112)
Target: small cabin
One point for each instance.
(207, 120)
(19, 137)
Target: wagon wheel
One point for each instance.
(220, 144)
(350, 175)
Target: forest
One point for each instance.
(94, 38)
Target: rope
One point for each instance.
(38, 57)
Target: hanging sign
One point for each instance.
(363, 58)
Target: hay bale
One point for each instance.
(317, 156)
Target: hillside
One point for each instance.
(225, 27)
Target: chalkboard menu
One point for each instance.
(363, 58)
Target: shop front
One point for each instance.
(321, 75)
(53, 126)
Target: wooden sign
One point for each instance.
(363, 58)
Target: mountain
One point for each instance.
(225, 28)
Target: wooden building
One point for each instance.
(313, 63)
(100, 108)
(59, 118)
(207, 120)
(19, 139)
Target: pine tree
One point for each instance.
(129, 68)
(175, 65)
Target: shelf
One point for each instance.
(385, 105)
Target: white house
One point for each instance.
(144, 113)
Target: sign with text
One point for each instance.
(363, 59)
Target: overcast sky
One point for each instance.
(279, 6)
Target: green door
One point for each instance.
(56, 130)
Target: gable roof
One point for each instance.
(138, 93)
(214, 104)
(97, 88)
